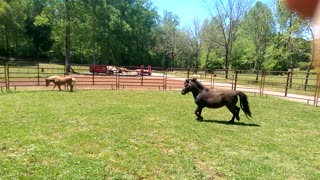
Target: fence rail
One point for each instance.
(298, 85)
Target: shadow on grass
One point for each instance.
(228, 123)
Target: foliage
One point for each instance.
(213, 61)
(243, 54)
(167, 38)
(119, 135)
(212, 53)
(121, 32)
(256, 31)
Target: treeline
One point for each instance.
(238, 35)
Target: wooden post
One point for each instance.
(288, 82)
(317, 91)
(165, 76)
(263, 78)
(93, 78)
(188, 74)
(212, 79)
(235, 80)
(38, 73)
(8, 78)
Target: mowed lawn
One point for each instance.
(126, 134)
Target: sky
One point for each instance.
(186, 10)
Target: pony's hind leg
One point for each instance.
(235, 112)
(71, 87)
(198, 113)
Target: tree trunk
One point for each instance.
(207, 60)
(226, 62)
(312, 58)
(7, 39)
(67, 37)
(290, 51)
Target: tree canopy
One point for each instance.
(238, 34)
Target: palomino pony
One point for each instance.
(215, 99)
(57, 80)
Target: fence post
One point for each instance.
(188, 74)
(8, 78)
(262, 79)
(235, 80)
(38, 74)
(212, 78)
(317, 91)
(287, 84)
(165, 80)
(142, 79)
(92, 78)
(117, 81)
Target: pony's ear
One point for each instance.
(194, 79)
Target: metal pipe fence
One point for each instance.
(298, 85)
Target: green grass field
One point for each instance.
(129, 134)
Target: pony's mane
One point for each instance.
(53, 77)
(198, 83)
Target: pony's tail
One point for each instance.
(244, 104)
(74, 81)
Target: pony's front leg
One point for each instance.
(198, 113)
(59, 87)
(53, 87)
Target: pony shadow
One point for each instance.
(228, 123)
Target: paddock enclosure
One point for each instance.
(296, 85)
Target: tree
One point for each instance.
(167, 38)
(243, 52)
(312, 33)
(12, 28)
(123, 32)
(258, 27)
(194, 36)
(38, 28)
(228, 16)
(211, 50)
(142, 20)
(6, 23)
(290, 27)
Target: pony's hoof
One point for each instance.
(200, 119)
(231, 121)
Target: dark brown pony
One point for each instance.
(58, 81)
(215, 99)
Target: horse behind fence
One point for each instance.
(58, 81)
